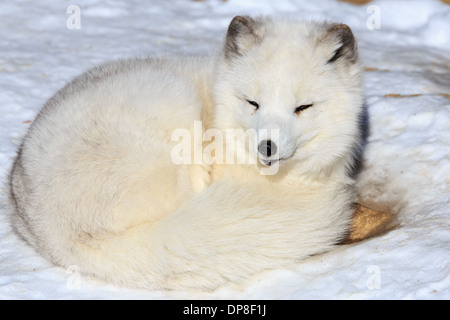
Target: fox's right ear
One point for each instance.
(242, 34)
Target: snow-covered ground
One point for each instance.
(406, 49)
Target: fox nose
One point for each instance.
(267, 148)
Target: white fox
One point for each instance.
(94, 185)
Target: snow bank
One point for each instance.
(407, 165)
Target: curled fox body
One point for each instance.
(94, 183)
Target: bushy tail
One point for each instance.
(225, 233)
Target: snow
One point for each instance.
(407, 163)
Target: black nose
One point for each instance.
(267, 148)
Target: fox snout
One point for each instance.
(267, 148)
(273, 150)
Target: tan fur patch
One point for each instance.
(367, 223)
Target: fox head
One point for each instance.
(298, 86)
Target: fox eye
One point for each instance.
(253, 103)
(302, 107)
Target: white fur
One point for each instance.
(94, 185)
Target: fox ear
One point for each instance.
(241, 35)
(340, 44)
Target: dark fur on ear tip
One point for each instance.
(238, 24)
(240, 35)
(348, 49)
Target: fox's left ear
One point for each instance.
(339, 44)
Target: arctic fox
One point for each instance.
(94, 183)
